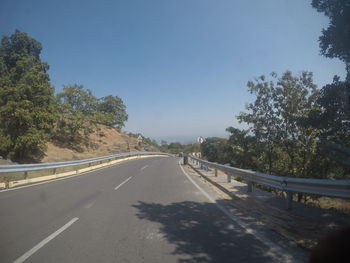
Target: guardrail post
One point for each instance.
(250, 187)
(25, 174)
(216, 172)
(185, 160)
(228, 179)
(289, 200)
(7, 182)
(54, 171)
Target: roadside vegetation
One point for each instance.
(32, 114)
(295, 128)
(177, 147)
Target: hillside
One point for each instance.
(104, 141)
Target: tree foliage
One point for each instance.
(335, 40)
(215, 149)
(78, 99)
(332, 117)
(30, 114)
(285, 130)
(112, 111)
(79, 111)
(243, 149)
(177, 147)
(26, 98)
(278, 119)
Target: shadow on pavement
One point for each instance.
(201, 233)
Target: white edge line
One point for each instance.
(26, 255)
(144, 167)
(124, 182)
(275, 249)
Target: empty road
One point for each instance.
(145, 210)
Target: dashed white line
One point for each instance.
(89, 205)
(144, 167)
(116, 188)
(26, 255)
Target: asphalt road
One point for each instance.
(144, 210)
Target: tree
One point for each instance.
(279, 119)
(111, 111)
(80, 111)
(335, 40)
(175, 147)
(78, 99)
(243, 149)
(26, 98)
(75, 114)
(215, 149)
(333, 115)
(262, 118)
(163, 143)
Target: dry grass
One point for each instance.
(103, 142)
(304, 225)
(331, 203)
(336, 204)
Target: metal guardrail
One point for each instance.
(43, 166)
(321, 187)
(11, 175)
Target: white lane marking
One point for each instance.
(89, 205)
(144, 167)
(116, 188)
(66, 177)
(59, 179)
(45, 241)
(276, 251)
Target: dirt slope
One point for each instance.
(105, 141)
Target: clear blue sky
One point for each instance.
(181, 66)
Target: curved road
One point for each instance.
(145, 210)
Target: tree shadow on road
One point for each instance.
(202, 233)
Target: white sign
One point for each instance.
(200, 139)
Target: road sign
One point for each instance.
(200, 139)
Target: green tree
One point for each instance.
(26, 98)
(70, 126)
(262, 118)
(76, 109)
(78, 99)
(279, 119)
(191, 148)
(214, 149)
(333, 115)
(175, 147)
(335, 40)
(111, 111)
(163, 143)
(243, 149)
